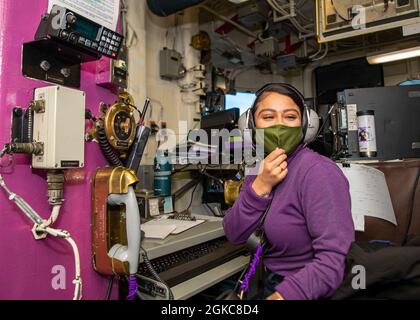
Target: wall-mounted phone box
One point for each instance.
(59, 123)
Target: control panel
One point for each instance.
(80, 32)
(153, 290)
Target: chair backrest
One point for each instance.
(403, 184)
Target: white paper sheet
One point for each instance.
(103, 12)
(359, 222)
(157, 231)
(164, 221)
(369, 194)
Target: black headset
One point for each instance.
(310, 119)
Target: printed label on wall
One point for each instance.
(103, 12)
(352, 117)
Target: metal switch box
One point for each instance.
(60, 126)
(171, 67)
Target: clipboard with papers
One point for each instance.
(163, 226)
(369, 194)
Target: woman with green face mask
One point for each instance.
(309, 225)
(278, 125)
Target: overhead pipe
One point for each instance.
(286, 15)
(233, 23)
(164, 8)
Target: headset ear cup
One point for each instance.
(312, 127)
(243, 122)
(251, 122)
(248, 120)
(305, 121)
(245, 125)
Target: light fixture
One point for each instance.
(394, 56)
(238, 1)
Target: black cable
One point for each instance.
(192, 197)
(213, 166)
(205, 173)
(323, 125)
(225, 295)
(181, 169)
(109, 289)
(137, 109)
(155, 275)
(213, 211)
(106, 148)
(89, 115)
(4, 150)
(410, 214)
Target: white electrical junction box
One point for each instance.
(60, 126)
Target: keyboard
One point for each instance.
(185, 264)
(182, 216)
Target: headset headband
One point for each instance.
(274, 86)
(310, 119)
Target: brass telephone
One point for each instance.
(116, 222)
(115, 216)
(115, 129)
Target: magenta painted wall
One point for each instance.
(26, 264)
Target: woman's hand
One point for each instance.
(275, 296)
(273, 172)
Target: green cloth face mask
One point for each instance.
(279, 136)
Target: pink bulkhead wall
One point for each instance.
(29, 268)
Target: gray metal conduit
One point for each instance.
(230, 21)
(164, 8)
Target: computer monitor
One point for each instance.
(410, 83)
(241, 100)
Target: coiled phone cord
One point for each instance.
(154, 273)
(107, 150)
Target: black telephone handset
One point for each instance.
(258, 237)
(142, 137)
(137, 150)
(255, 242)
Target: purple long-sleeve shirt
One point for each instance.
(309, 225)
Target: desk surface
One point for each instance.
(207, 231)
